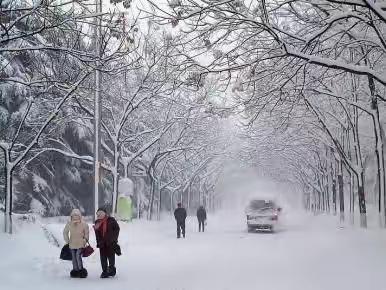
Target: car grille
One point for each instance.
(258, 218)
(263, 227)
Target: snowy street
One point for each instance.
(309, 253)
(121, 120)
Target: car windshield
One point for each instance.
(261, 204)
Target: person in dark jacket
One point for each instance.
(107, 233)
(180, 216)
(201, 216)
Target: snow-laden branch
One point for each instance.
(85, 158)
(377, 8)
(146, 146)
(329, 23)
(360, 105)
(336, 64)
(22, 122)
(200, 167)
(338, 146)
(51, 117)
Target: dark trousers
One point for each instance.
(180, 228)
(107, 262)
(201, 225)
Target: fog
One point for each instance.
(238, 185)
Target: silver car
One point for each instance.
(262, 215)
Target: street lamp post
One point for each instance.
(98, 102)
(97, 106)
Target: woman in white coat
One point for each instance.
(76, 235)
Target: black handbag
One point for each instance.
(117, 249)
(65, 253)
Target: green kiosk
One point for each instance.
(125, 203)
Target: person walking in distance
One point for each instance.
(180, 216)
(201, 216)
(107, 233)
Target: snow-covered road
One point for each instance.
(311, 253)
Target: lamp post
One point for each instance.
(98, 100)
(97, 106)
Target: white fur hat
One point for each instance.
(76, 212)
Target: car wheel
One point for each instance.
(250, 230)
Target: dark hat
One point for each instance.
(102, 209)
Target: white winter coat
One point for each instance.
(76, 231)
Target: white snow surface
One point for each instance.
(310, 253)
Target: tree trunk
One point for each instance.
(381, 166)
(350, 173)
(383, 169)
(328, 186)
(313, 201)
(379, 151)
(138, 190)
(341, 192)
(8, 202)
(352, 198)
(159, 201)
(172, 202)
(360, 174)
(152, 193)
(8, 193)
(189, 196)
(319, 196)
(362, 201)
(379, 171)
(326, 183)
(115, 179)
(334, 195)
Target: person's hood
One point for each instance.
(76, 212)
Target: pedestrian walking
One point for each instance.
(201, 217)
(180, 216)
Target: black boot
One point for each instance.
(104, 275)
(74, 273)
(83, 273)
(112, 271)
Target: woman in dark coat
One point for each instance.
(107, 233)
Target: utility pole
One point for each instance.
(97, 105)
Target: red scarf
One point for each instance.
(101, 225)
